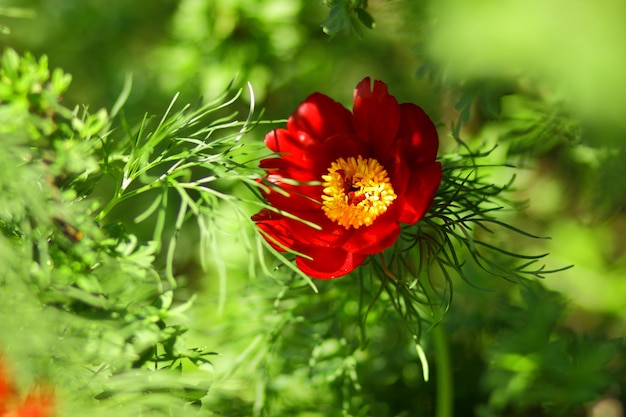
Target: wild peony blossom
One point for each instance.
(7, 390)
(38, 403)
(348, 179)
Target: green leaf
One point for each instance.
(337, 20)
(365, 18)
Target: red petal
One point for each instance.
(306, 158)
(329, 263)
(282, 168)
(423, 184)
(321, 117)
(271, 223)
(373, 240)
(343, 147)
(299, 150)
(299, 236)
(417, 135)
(399, 172)
(376, 116)
(7, 389)
(331, 234)
(299, 198)
(38, 404)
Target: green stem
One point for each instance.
(121, 196)
(445, 390)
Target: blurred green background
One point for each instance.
(542, 79)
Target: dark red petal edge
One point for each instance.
(420, 192)
(329, 263)
(320, 117)
(376, 116)
(417, 135)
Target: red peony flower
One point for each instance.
(38, 403)
(7, 389)
(356, 176)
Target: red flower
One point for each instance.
(38, 403)
(7, 389)
(356, 176)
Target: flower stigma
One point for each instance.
(356, 191)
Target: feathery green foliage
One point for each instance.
(89, 289)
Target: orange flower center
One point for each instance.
(356, 191)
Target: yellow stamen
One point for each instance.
(356, 191)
